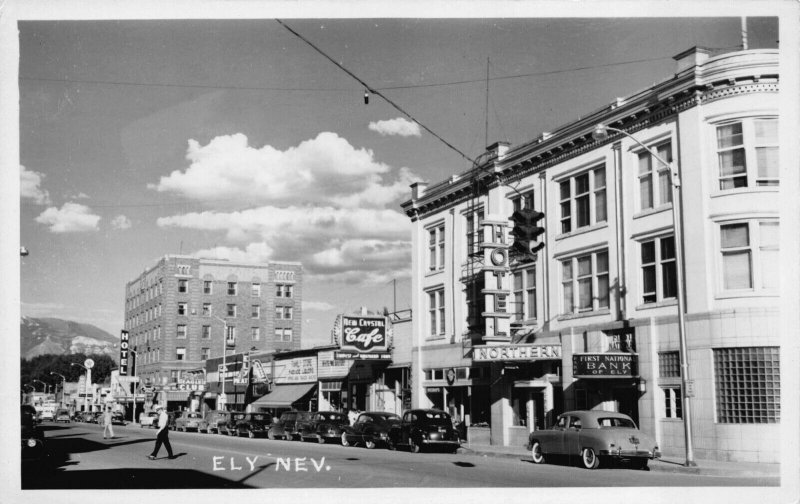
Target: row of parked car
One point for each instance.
(417, 429)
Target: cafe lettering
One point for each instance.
(621, 365)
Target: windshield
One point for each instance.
(194, 415)
(437, 418)
(391, 418)
(261, 418)
(335, 417)
(616, 422)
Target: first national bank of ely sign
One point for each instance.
(604, 365)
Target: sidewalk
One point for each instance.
(665, 464)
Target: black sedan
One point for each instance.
(253, 425)
(324, 426)
(425, 428)
(370, 429)
(32, 436)
(229, 427)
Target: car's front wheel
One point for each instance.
(321, 439)
(590, 459)
(370, 444)
(345, 442)
(536, 453)
(413, 446)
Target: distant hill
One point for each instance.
(40, 336)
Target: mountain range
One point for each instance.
(40, 336)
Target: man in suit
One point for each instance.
(162, 436)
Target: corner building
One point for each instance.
(507, 343)
(182, 311)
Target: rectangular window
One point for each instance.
(255, 289)
(474, 232)
(583, 199)
(436, 248)
(206, 309)
(181, 331)
(672, 402)
(747, 383)
(204, 353)
(436, 312)
(284, 335)
(287, 313)
(750, 255)
(183, 285)
(669, 365)
(183, 309)
(523, 201)
(231, 310)
(208, 287)
(585, 283)
(655, 181)
(230, 335)
(525, 294)
(180, 353)
(206, 332)
(278, 312)
(659, 273)
(255, 311)
(286, 291)
(231, 288)
(255, 333)
(747, 153)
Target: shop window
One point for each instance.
(747, 385)
(747, 153)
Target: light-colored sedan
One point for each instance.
(595, 436)
(190, 420)
(149, 419)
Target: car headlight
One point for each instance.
(32, 443)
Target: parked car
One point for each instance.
(424, 428)
(370, 429)
(190, 420)
(230, 426)
(216, 420)
(118, 418)
(148, 419)
(87, 416)
(286, 427)
(597, 436)
(324, 426)
(172, 416)
(46, 415)
(97, 417)
(33, 447)
(62, 415)
(253, 425)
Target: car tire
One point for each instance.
(536, 453)
(370, 444)
(413, 446)
(590, 459)
(390, 444)
(321, 439)
(251, 434)
(345, 442)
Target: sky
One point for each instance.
(236, 139)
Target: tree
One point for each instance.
(40, 367)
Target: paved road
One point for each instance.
(80, 458)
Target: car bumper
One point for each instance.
(625, 454)
(440, 442)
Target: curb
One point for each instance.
(655, 465)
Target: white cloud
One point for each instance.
(72, 217)
(325, 169)
(121, 222)
(29, 182)
(317, 306)
(252, 253)
(398, 126)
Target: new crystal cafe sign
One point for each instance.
(604, 365)
(362, 337)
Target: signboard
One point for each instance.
(604, 365)
(332, 367)
(362, 337)
(123, 353)
(689, 388)
(297, 370)
(362, 356)
(515, 353)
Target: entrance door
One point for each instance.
(627, 399)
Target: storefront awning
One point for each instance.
(174, 395)
(282, 396)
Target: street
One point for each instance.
(79, 458)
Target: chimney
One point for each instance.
(691, 58)
(499, 148)
(418, 190)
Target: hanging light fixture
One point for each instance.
(366, 97)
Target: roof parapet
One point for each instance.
(692, 57)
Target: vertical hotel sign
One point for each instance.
(123, 353)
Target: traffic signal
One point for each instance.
(526, 233)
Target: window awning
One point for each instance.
(282, 396)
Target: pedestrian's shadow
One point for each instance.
(174, 456)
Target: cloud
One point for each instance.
(29, 182)
(398, 126)
(121, 222)
(72, 217)
(317, 306)
(253, 253)
(322, 170)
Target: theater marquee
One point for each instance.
(515, 352)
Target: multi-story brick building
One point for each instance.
(593, 322)
(185, 310)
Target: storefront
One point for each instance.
(294, 383)
(608, 381)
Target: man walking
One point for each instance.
(107, 427)
(163, 434)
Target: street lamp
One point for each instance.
(44, 386)
(600, 133)
(63, 378)
(222, 396)
(86, 385)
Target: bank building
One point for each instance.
(505, 341)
